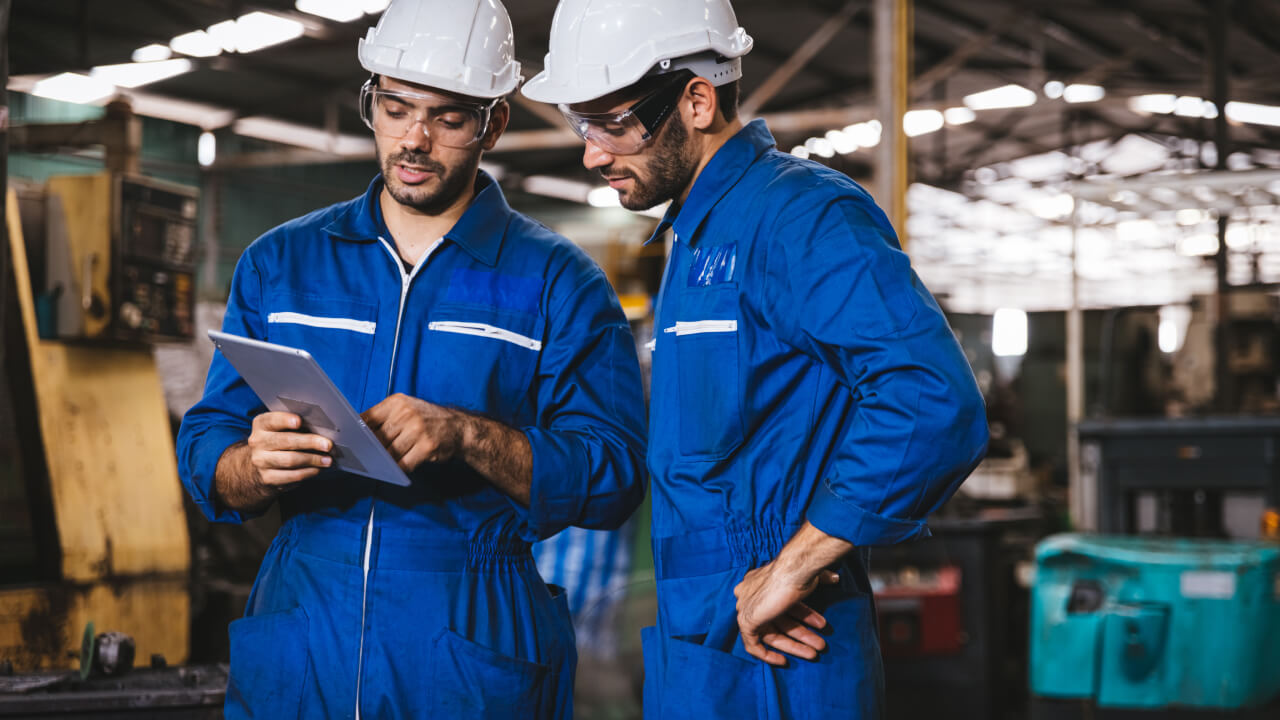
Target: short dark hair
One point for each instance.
(727, 99)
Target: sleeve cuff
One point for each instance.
(204, 471)
(550, 508)
(836, 516)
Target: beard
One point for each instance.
(450, 182)
(669, 169)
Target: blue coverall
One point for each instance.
(801, 371)
(423, 601)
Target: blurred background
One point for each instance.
(1090, 188)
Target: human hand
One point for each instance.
(415, 431)
(772, 615)
(281, 455)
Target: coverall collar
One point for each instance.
(724, 170)
(479, 231)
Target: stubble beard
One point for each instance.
(451, 183)
(670, 169)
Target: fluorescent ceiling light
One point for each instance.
(132, 75)
(919, 122)
(603, 197)
(196, 43)
(1009, 332)
(1053, 89)
(959, 115)
(206, 149)
(1194, 107)
(337, 10)
(1007, 96)
(1253, 113)
(821, 147)
(74, 88)
(224, 33)
(1158, 104)
(842, 141)
(800, 151)
(866, 134)
(151, 53)
(257, 30)
(1079, 93)
(374, 6)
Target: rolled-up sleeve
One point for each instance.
(845, 294)
(588, 441)
(224, 415)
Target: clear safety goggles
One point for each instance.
(444, 119)
(627, 131)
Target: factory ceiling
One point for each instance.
(1110, 87)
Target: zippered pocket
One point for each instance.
(485, 330)
(698, 327)
(332, 323)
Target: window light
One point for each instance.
(1009, 332)
(206, 149)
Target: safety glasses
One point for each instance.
(626, 132)
(445, 120)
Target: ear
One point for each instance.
(498, 120)
(700, 94)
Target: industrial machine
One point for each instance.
(1124, 624)
(91, 517)
(116, 257)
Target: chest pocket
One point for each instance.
(707, 370)
(338, 332)
(482, 357)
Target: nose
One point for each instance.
(416, 138)
(594, 157)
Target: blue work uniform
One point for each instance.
(801, 372)
(423, 601)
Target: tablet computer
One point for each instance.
(290, 380)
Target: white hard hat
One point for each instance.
(462, 46)
(600, 46)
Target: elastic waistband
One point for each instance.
(395, 548)
(704, 552)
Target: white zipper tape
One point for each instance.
(483, 330)
(292, 318)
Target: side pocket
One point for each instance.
(269, 665)
(471, 681)
(699, 682)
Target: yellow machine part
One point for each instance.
(113, 475)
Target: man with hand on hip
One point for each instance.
(808, 399)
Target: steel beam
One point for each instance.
(794, 64)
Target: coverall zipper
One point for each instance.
(406, 279)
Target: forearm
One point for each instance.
(809, 551)
(499, 453)
(236, 482)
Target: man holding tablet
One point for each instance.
(491, 358)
